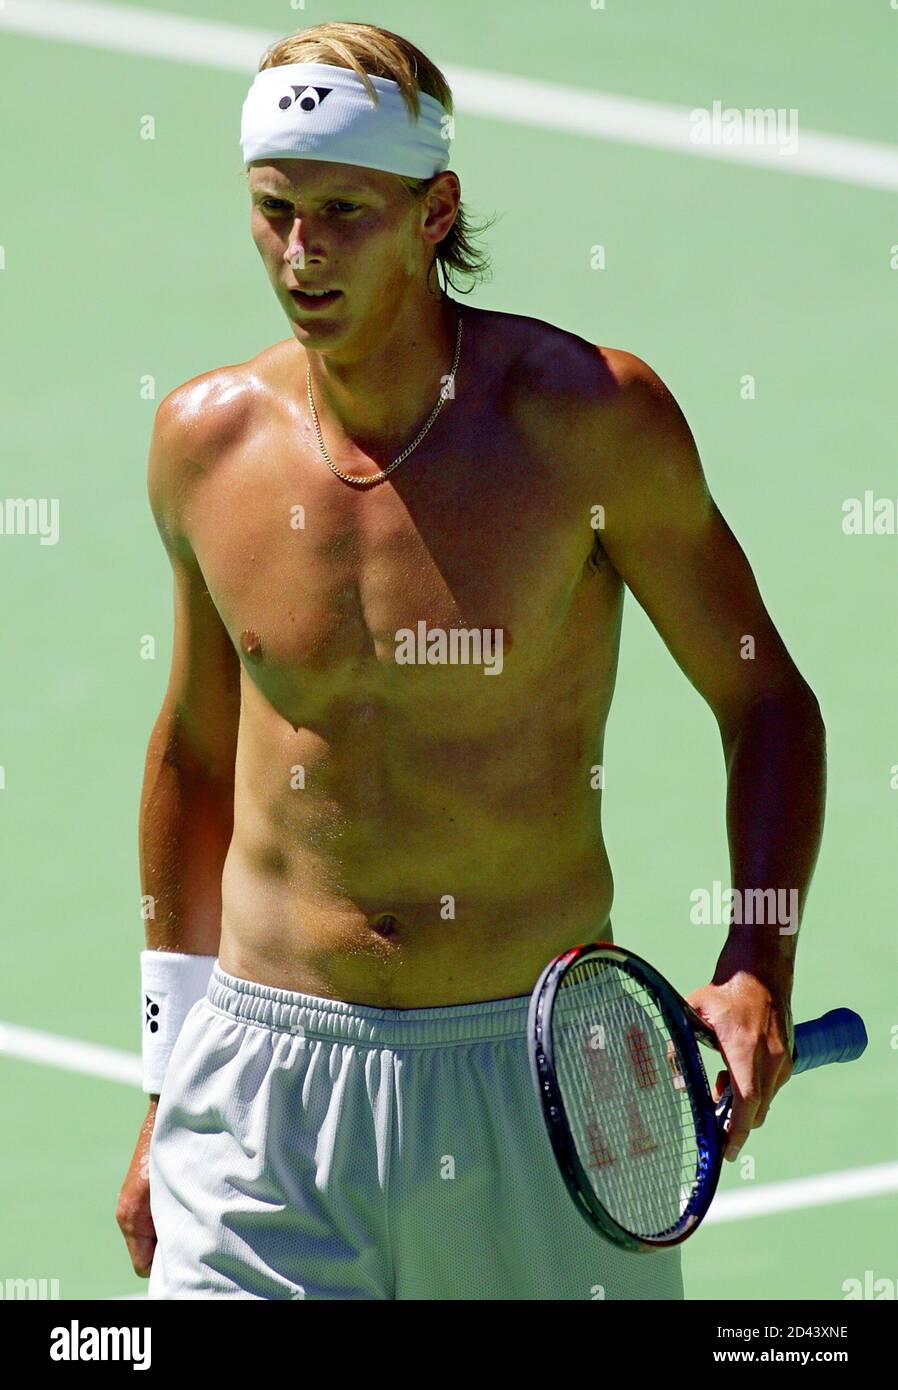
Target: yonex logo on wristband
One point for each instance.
(177, 979)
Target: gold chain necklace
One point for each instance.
(379, 477)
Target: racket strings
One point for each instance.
(627, 1103)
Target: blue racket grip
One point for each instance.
(839, 1036)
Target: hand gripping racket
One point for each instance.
(615, 1061)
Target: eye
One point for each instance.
(277, 205)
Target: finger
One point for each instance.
(785, 1072)
(140, 1240)
(135, 1221)
(720, 1084)
(745, 1081)
(778, 1074)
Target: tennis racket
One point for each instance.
(616, 1064)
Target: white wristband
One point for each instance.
(171, 983)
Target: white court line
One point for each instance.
(495, 95)
(200, 42)
(90, 1059)
(819, 1191)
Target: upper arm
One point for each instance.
(201, 709)
(672, 547)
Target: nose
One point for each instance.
(296, 252)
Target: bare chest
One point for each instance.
(472, 559)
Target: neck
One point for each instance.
(383, 390)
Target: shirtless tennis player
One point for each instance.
(371, 789)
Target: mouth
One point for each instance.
(315, 301)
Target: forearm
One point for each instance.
(776, 789)
(186, 822)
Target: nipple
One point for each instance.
(251, 644)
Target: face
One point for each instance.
(330, 226)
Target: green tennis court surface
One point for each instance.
(128, 261)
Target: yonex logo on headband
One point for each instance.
(309, 98)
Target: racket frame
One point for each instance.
(686, 1026)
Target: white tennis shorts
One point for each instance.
(310, 1148)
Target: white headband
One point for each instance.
(316, 111)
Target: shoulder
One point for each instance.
(211, 407)
(606, 412)
(609, 399)
(554, 376)
(538, 358)
(593, 381)
(194, 425)
(634, 380)
(639, 444)
(643, 406)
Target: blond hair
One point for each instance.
(368, 49)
